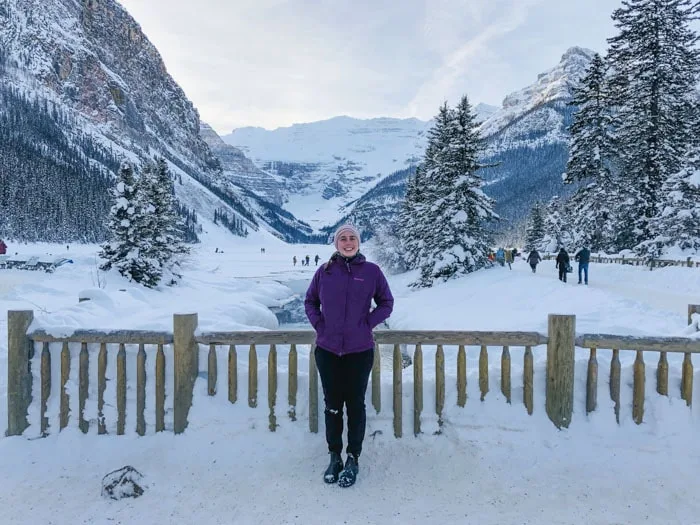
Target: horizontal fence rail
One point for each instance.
(182, 349)
(636, 261)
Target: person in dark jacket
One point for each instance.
(3, 247)
(338, 305)
(583, 256)
(562, 263)
(533, 259)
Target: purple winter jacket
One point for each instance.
(338, 304)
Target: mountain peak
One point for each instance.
(555, 84)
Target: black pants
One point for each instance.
(344, 379)
(562, 273)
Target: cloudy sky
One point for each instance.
(273, 63)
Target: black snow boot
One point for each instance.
(349, 474)
(334, 468)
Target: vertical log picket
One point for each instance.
(592, 382)
(101, 387)
(65, 398)
(484, 372)
(615, 381)
(528, 379)
(83, 366)
(662, 375)
(439, 383)
(19, 376)
(186, 367)
(141, 390)
(398, 392)
(560, 369)
(293, 383)
(272, 386)
(505, 373)
(121, 389)
(638, 389)
(232, 374)
(313, 391)
(417, 392)
(160, 389)
(45, 386)
(461, 376)
(252, 377)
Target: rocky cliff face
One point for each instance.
(93, 71)
(240, 170)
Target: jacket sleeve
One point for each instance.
(312, 303)
(384, 300)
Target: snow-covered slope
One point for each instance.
(329, 163)
(104, 95)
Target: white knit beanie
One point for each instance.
(346, 228)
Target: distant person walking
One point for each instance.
(500, 256)
(294, 260)
(316, 259)
(583, 256)
(3, 247)
(338, 305)
(308, 260)
(563, 264)
(509, 259)
(533, 259)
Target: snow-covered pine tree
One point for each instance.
(557, 227)
(411, 218)
(678, 224)
(389, 251)
(455, 238)
(535, 228)
(593, 162)
(126, 222)
(654, 71)
(164, 226)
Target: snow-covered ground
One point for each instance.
(492, 463)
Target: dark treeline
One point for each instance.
(52, 188)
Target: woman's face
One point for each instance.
(347, 244)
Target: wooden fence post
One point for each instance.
(186, 366)
(560, 369)
(19, 376)
(693, 309)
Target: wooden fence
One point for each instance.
(634, 261)
(561, 341)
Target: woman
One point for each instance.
(338, 305)
(533, 259)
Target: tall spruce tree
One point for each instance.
(678, 224)
(593, 161)
(128, 247)
(454, 235)
(162, 232)
(654, 71)
(535, 228)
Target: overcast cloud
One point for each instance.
(273, 63)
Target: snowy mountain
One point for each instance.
(330, 163)
(82, 89)
(334, 169)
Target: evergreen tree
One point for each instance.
(557, 227)
(652, 86)
(453, 230)
(163, 229)
(678, 224)
(535, 228)
(126, 250)
(411, 218)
